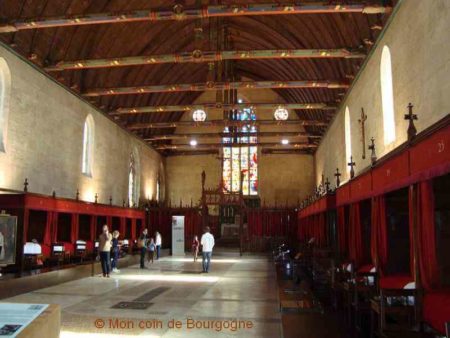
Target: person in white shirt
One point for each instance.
(158, 243)
(207, 243)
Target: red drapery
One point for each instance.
(55, 227)
(192, 225)
(93, 228)
(275, 223)
(74, 228)
(48, 229)
(133, 228)
(341, 229)
(26, 221)
(379, 243)
(122, 228)
(320, 230)
(411, 210)
(426, 235)
(355, 247)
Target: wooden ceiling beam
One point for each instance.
(220, 145)
(178, 13)
(221, 135)
(200, 87)
(198, 56)
(209, 106)
(270, 151)
(222, 123)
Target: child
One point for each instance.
(115, 251)
(151, 250)
(195, 246)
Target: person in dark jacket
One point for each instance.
(115, 251)
(142, 245)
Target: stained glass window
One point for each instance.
(239, 156)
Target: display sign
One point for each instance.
(177, 235)
(8, 239)
(15, 317)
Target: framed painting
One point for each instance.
(8, 239)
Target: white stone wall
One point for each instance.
(44, 143)
(419, 41)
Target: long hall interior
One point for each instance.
(225, 168)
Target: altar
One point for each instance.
(229, 230)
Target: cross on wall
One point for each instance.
(362, 121)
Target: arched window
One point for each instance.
(88, 146)
(348, 137)
(5, 88)
(133, 180)
(239, 159)
(387, 96)
(158, 189)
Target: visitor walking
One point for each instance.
(104, 247)
(158, 243)
(142, 245)
(207, 243)
(115, 251)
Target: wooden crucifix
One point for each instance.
(351, 164)
(362, 121)
(412, 131)
(338, 175)
(373, 156)
(327, 186)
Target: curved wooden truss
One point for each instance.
(208, 106)
(201, 87)
(228, 135)
(206, 146)
(206, 56)
(223, 123)
(178, 13)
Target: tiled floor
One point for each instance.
(172, 289)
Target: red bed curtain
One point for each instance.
(255, 222)
(74, 228)
(26, 221)
(122, 228)
(54, 227)
(319, 231)
(355, 247)
(426, 235)
(379, 243)
(133, 228)
(341, 229)
(48, 229)
(93, 228)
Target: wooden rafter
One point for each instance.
(240, 134)
(208, 106)
(222, 123)
(200, 87)
(178, 12)
(198, 56)
(203, 146)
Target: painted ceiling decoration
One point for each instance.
(145, 63)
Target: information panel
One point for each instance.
(15, 317)
(177, 235)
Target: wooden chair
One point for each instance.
(395, 304)
(365, 288)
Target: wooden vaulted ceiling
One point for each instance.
(49, 46)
